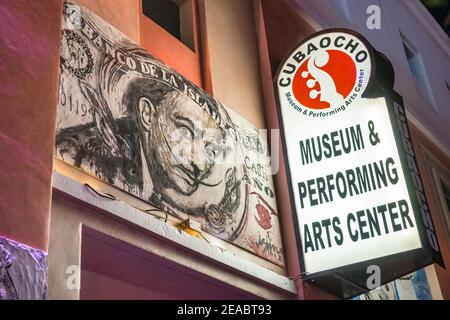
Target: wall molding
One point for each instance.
(120, 210)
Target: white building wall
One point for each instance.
(411, 19)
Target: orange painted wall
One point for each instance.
(29, 67)
(170, 50)
(122, 14)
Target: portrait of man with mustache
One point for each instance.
(165, 148)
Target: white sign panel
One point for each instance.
(349, 189)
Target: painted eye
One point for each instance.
(210, 153)
(186, 133)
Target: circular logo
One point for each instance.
(76, 57)
(325, 74)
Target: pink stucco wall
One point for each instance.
(113, 269)
(29, 66)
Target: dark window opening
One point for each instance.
(174, 16)
(417, 69)
(440, 10)
(166, 13)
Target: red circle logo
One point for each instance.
(325, 79)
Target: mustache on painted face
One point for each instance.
(196, 176)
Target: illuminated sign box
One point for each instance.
(356, 191)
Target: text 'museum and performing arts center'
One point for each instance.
(251, 149)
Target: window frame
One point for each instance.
(164, 46)
(421, 81)
(439, 175)
(185, 35)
